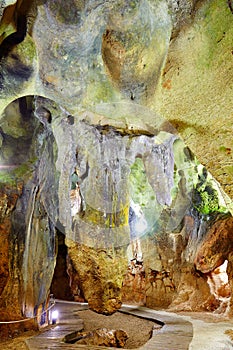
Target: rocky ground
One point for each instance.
(210, 328)
(138, 330)
(18, 342)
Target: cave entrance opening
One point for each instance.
(219, 287)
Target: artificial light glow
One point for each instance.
(55, 315)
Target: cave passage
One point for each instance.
(60, 286)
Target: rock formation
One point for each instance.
(101, 337)
(116, 133)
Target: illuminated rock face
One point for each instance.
(92, 150)
(216, 247)
(214, 252)
(100, 276)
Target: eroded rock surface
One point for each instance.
(154, 53)
(100, 273)
(216, 247)
(100, 337)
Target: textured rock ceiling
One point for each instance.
(174, 57)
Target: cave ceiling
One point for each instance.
(171, 57)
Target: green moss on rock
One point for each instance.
(20, 173)
(205, 199)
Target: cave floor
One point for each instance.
(194, 331)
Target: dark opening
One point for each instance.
(60, 286)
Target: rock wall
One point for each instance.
(28, 233)
(195, 89)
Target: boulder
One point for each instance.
(100, 337)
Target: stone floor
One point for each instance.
(179, 332)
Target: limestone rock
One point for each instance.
(100, 274)
(133, 287)
(152, 54)
(191, 94)
(8, 199)
(216, 247)
(101, 337)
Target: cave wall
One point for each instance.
(196, 86)
(29, 235)
(139, 112)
